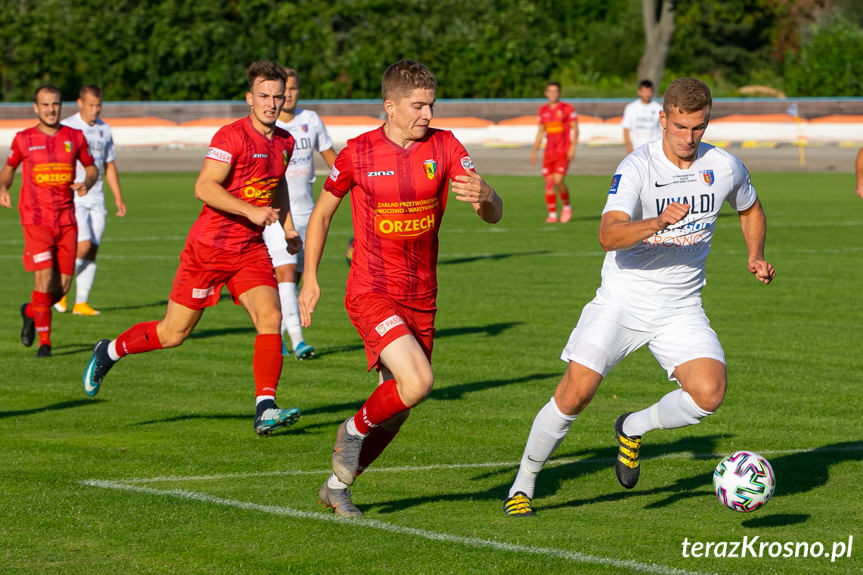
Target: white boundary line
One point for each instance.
(476, 542)
(133, 486)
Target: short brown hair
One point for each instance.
(266, 70)
(46, 88)
(90, 89)
(687, 95)
(291, 73)
(404, 76)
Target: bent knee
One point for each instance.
(709, 397)
(415, 389)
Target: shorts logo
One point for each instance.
(615, 181)
(219, 155)
(203, 293)
(334, 174)
(389, 323)
(707, 176)
(67, 146)
(430, 168)
(42, 257)
(467, 163)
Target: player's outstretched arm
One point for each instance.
(540, 134)
(7, 176)
(282, 202)
(316, 238)
(617, 231)
(209, 189)
(753, 224)
(471, 188)
(858, 167)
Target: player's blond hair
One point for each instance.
(265, 70)
(687, 95)
(404, 76)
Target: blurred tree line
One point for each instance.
(177, 50)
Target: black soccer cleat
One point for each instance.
(44, 350)
(626, 468)
(28, 329)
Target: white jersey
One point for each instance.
(101, 146)
(667, 270)
(642, 121)
(309, 134)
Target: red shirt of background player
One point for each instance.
(557, 121)
(46, 196)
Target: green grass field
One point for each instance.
(162, 473)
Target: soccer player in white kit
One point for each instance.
(656, 229)
(90, 209)
(309, 134)
(641, 118)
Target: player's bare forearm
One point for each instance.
(617, 231)
(753, 225)
(91, 174)
(472, 188)
(7, 176)
(112, 177)
(316, 238)
(329, 156)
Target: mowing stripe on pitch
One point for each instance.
(398, 529)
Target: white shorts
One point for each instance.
(274, 237)
(607, 332)
(91, 223)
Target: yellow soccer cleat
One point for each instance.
(84, 308)
(60, 306)
(627, 467)
(519, 505)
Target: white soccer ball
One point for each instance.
(743, 481)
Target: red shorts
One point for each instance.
(380, 319)
(204, 270)
(554, 163)
(47, 247)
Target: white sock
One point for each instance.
(674, 409)
(112, 350)
(352, 428)
(549, 428)
(290, 312)
(260, 398)
(334, 483)
(86, 272)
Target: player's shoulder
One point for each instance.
(714, 154)
(308, 116)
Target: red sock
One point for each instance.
(40, 310)
(140, 338)
(564, 196)
(374, 445)
(550, 199)
(382, 404)
(267, 363)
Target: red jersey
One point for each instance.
(558, 127)
(257, 163)
(49, 170)
(398, 199)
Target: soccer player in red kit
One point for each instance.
(48, 151)
(243, 188)
(558, 124)
(398, 176)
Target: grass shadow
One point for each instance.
(52, 407)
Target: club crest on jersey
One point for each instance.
(707, 176)
(430, 168)
(615, 181)
(285, 157)
(305, 127)
(67, 145)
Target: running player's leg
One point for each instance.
(562, 190)
(89, 238)
(262, 304)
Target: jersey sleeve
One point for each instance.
(16, 155)
(109, 145)
(742, 194)
(84, 155)
(341, 178)
(626, 121)
(573, 115)
(324, 141)
(223, 147)
(624, 193)
(458, 160)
